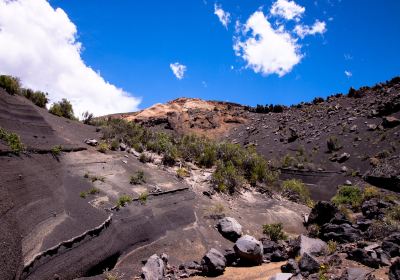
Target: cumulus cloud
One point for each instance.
(178, 70)
(348, 74)
(267, 50)
(224, 17)
(288, 10)
(39, 45)
(319, 27)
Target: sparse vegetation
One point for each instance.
(332, 247)
(56, 150)
(63, 109)
(274, 231)
(87, 118)
(103, 147)
(182, 173)
(37, 97)
(138, 178)
(298, 187)
(12, 140)
(10, 84)
(143, 197)
(83, 194)
(123, 200)
(348, 195)
(333, 144)
(95, 178)
(93, 191)
(370, 192)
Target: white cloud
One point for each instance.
(348, 74)
(287, 9)
(178, 70)
(224, 17)
(39, 45)
(319, 27)
(267, 50)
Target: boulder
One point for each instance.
(91, 142)
(394, 270)
(154, 269)
(343, 157)
(390, 122)
(291, 267)
(281, 276)
(364, 257)
(249, 250)
(230, 228)
(122, 146)
(391, 245)
(341, 233)
(231, 257)
(311, 246)
(355, 273)
(309, 264)
(213, 263)
(322, 213)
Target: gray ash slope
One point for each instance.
(365, 123)
(47, 231)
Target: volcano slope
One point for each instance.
(58, 196)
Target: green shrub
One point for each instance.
(371, 192)
(138, 178)
(332, 247)
(56, 150)
(298, 187)
(143, 197)
(288, 161)
(83, 194)
(123, 200)
(95, 178)
(63, 109)
(393, 215)
(227, 178)
(144, 158)
(208, 157)
(348, 195)
(37, 97)
(170, 156)
(93, 191)
(182, 173)
(87, 118)
(103, 147)
(333, 144)
(10, 84)
(274, 231)
(114, 145)
(12, 140)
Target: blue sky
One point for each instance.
(131, 44)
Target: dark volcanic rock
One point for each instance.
(322, 213)
(213, 263)
(309, 264)
(249, 250)
(291, 267)
(230, 228)
(154, 269)
(390, 122)
(374, 208)
(341, 233)
(391, 245)
(362, 256)
(394, 270)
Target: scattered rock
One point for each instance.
(322, 213)
(213, 263)
(281, 276)
(91, 142)
(348, 183)
(355, 273)
(366, 258)
(390, 122)
(394, 270)
(291, 267)
(230, 228)
(249, 249)
(341, 233)
(372, 127)
(343, 157)
(154, 269)
(312, 246)
(391, 245)
(309, 264)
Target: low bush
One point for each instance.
(12, 140)
(143, 197)
(37, 97)
(138, 178)
(298, 187)
(10, 84)
(348, 195)
(393, 215)
(227, 178)
(123, 200)
(83, 194)
(63, 109)
(182, 173)
(333, 144)
(87, 118)
(371, 192)
(93, 191)
(144, 158)
(56, 150)
(95, 178)
(274, 231)
(103, 147)
(332, 247)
